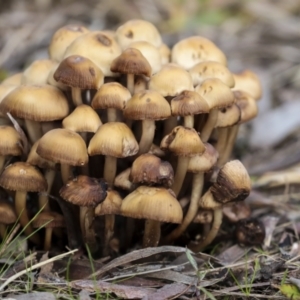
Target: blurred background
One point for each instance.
(261, 35)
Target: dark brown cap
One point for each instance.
(49, 219)
(7, 213)
(11, 143)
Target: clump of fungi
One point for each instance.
(122, 128)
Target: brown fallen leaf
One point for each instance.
(167, 292)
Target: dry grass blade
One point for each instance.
(9, 239)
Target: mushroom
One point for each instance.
(7, 217)
(165, 53)
(13, 79)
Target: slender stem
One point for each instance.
(189, 121)
(76, 96)
(48, 238)
(222, 140)
(130, 83)
(109, 232)
(209, 125)
(197, 187)
(232, 134)
(85, 169)
(2, 161)
(148, 131)
(43, 197)
(66, 173)
(34, 130)
(86, 224)
(112, 115)
(182, 166)
(110, 169)
(152, 233)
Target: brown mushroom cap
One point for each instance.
(111, 204)
(7, 213)
(84, 191)
(79, 71)
(152, 203)
(149, 169)
(228, 116)
(11, 143)
(22, 176)
(247, 106)
(49, 219)
(63, 146)
(113, 139)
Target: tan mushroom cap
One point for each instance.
(207, 201)
(39, 103)
(138, 30)
(247, 105)
(13, 79)
(7, 213)
(183, 141)
(122, 180)
(11, 142)
(62, 38)
(113, 139)
(150, 169)
(211, 69)
(53, 82)
(79, 71)
(192, 50)
(147, 105)
(22, 176)
(188, 103)
(5, 89)
(49, 219)
(111, 95)
(37, 72)
(152, 203)
(216, 93)
(205, 161)
(171, 80)
(99, 47)
(111, 204)
(228, 116)
(82, 119)
(131, 61)
(84, 191)
(249, 82)
(150, 52)
(165, 54)
(63, 146)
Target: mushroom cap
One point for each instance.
(78, 71)
(188, 103)
(5, 89)
(131, 61)
(92, 44)
(111, 204)
(113, 139)
(7, 213)
(150, 169)
(53, 82)
(192, 50)
(171, 80)
(63, 146)
(49, 219)
(84, 191)
(183, 141)
(22, 176)
(111, 95)
(207, 201)
(11, 142)
(122, 180)
(62, 38)
(152, 203)
(82, 119)
(228, 116)
(41, 103)
(165, 54)
(138, 30)
(211, 69)
(203, 216)
(14, 79)
(147, 105)
(237, 211)
(216, 93)
(247, 106)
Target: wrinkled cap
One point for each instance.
(111, 204)
(11, 142)
(7, 213)
(228, 116)
(49, 219)
(84, 191)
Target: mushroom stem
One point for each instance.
(2, 161)
(66, 173)
(209, 125)
(34, 130)
(3, 232)
(76, 96)
(218, 215)
(110, 169)
(198, 180)
(130, 83)
(182, 166)
(85, 169)
(222, 140)
(109, 232)
(148, 131)
(43, 197)
(112, 115)
(48, 238)
(189, 121)
(152, 233)
(21, 211)
(86, 219)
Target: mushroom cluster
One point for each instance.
(125, 128)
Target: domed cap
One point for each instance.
(82, 119)
(84, 191)
(190, 51)
(22, 176)
(207, 201)
(171, 80)
(63, 146)
(216, 93)
(5, 89)
(14, 79)
(111, 95)
(165, 54)
(113, 139)
(7, 213)
(111, 204)
(188, 103)
(228, 116)
(41, 103)
(79, 71)
(131, 61)
(62, 38)
(211, 69)
(247, 106)
(99, 47)
(149, 169)
(11, 142)
(122, 180)
(49, 219)
(183, 141)
(152, 203)
(53, 82)
(137, 30)
(147, 105)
